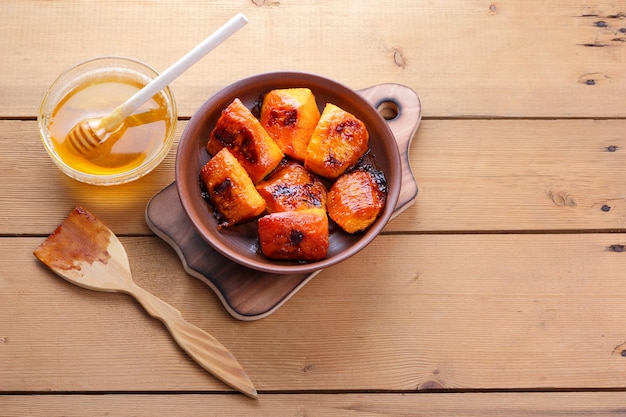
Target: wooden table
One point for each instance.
(501, 291)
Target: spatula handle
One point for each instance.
(201, 346)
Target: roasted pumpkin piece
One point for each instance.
(356, 199)
(294, 235)
(230, 189)
(337, 143)
(291, 187)
(290, 116)
(238, 130)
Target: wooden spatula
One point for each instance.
(85, 252)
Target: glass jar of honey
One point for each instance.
(94, 89)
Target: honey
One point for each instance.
(141, 138)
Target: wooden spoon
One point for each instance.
(86, 253)
(83, 138)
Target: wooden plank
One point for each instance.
(606, 404)
(518, 175)
(532, 312)
(29, 176)
(473, 175)
(561, 59)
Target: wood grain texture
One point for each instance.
(474, 175)
(479, 59)
(83, 251)
(500, 292)
(343, 405)
(535, 311)
(401, 107)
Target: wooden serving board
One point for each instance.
(248, 294)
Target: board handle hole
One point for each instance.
(389, 110)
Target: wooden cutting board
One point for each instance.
(248, 294)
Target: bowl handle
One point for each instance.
(400, 106)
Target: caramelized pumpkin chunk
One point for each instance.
(295, 235)
(292, 187)
(290, 116)
(230, 189)
(238, 130)
(356, 199)
(337, 143)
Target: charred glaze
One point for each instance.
(79, 239)
(240, 141)
(283, 117)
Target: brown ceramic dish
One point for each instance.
(240, 243)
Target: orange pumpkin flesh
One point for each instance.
(292, 187)
(337, 143)
(230, 189)
(246, 178)
(295, 235)
(290, 116)
(356, 199)
(238, 130)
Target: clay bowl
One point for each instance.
(240, 243)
